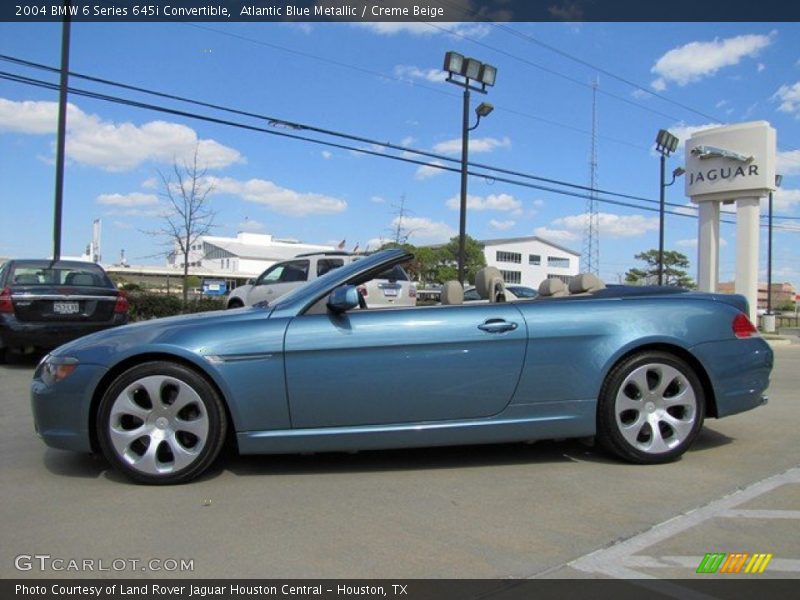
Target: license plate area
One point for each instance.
(390, 292)
(66, 308)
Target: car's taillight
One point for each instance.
(362, 290)
(742, 327)
(122, 303)
(6, 306)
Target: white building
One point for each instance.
(530, 260)
(248, 254)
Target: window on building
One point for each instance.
(511, 276)
(565, 278)
(509, 257)
(558, 262)
(534, 259)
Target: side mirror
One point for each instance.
(343, 298)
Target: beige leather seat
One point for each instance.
(490, 285)
(452, 293)
(553, 288)
(585, 283)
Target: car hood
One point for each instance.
(165, 331)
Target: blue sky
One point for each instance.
(384, 82)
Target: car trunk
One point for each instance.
(63, 303)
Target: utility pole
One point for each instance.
(591, 236)
(62, 132)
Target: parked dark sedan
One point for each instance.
(44, 304)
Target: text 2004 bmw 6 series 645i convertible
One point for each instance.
(639, 368)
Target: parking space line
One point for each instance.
(762, 514)
(616, 561)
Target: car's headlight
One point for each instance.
(53, 369)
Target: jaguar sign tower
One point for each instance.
(734, 164)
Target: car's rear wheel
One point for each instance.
(161, 423)
(651, 408)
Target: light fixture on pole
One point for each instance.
(778, 181)
(468, 73)
(666, 144)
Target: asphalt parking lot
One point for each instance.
(551, 509)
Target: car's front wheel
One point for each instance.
(161, 423)
(651, 408)
(235, 303)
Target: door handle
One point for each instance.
(497, 326)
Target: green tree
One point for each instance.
(474, 260)
(675, 265)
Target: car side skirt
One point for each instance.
(516, 424)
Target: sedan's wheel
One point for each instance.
(161, 423)
(651, 408)
(235, 303)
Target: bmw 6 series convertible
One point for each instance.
(638, 368)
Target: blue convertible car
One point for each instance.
(638, 368)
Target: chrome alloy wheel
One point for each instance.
(158, 425)
(656, 408)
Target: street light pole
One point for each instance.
(666, 144)
(778, 181)
(462, 219)
(463, 71)
(663, 188)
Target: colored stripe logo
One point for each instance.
(720, 562)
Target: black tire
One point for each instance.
(647, 389)
(235, 303)
(185, 423)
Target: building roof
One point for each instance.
(530, 238)
(262, 247)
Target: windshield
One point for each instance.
(44, 274)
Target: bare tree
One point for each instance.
(189, 217)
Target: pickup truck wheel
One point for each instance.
(651, 408)
(161, 423)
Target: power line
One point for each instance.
(384, 76)
(143, 105)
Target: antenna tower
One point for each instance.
(591, 236)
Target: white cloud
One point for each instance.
(326, 154)
(760, 67)
(692, 243)
(499, 202)
(427, 171)
(696, 60)
(408, 140)
(556, 235)
(115, 146)
(789, 97)
(279, 199)
(425, 231)
(640, 94)
(420, 28)
(132, 199)
(475, 145)
(611, 225)
(784, 199)
(150, 183)
(501, 225)
(410, 72)
(377, 200)
(788, 163)
(251, 225)
(683, 132)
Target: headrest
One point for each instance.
(486, 283)
(585, 283)
(452, 293)
(553, 287)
